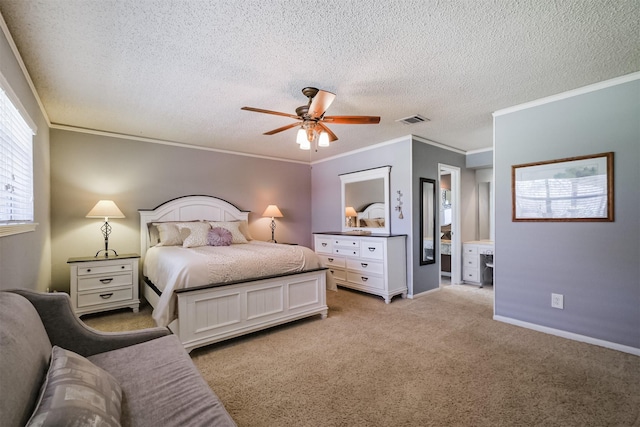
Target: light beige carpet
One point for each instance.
(439, 360)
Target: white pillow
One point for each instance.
(194, 234)
(169, 233)
(234, 229)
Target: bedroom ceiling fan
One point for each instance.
(312, 120)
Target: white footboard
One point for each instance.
(215, 314)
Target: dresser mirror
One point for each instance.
(428, 221)
(365, 201)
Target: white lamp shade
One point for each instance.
(272, 211)
(301, 137)
(105, 209)
(350, 211)
(305, 145)
(324, 140)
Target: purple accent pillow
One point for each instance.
(219, 236)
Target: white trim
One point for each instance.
(569, 335)
(11, 229)
(424, 294)
(569, 94)
(437, 144)
(165, 142)
(15, 100)
(456, 224)
(479, 150)
(23, 67)
(360, 150)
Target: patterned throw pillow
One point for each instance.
(194, 234)
(219, 236)
(77, 393)
(234, 229)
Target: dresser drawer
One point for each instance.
(346, 242)
(365, 280)
(470, 274)
(98, 298)
(469, 261)
(323, 245)
(104, 269)
(347, 251)
(338, 274)
(470, 249)
(104, 281)
(332, 261)
(372, 249)
(366, 267)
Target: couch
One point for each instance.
(64, 373)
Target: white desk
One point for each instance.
(477, 262)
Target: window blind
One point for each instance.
(16, 164)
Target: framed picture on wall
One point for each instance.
(572, 189)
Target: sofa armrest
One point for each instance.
(66, 330)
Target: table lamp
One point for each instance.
(350, 212)
(105, 209)
(273, 212)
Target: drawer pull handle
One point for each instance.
(364, 279)
(105, 281)
(122, 267)
(331, 271)
(106, 296)
(330, 259)
(371, 249)
(364, 264)
(88, 270)
(354, 243)
(324, 245)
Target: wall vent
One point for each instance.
(411, 120)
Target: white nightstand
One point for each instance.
(104, 283)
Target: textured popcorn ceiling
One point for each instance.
(180, 70)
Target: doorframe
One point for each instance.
(456, 241)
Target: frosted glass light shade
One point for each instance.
(105, 209)
(301, 138)
(305, 145)
(324, 140)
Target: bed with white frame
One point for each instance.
(374, 211)
(216, 312)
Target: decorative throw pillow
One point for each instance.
(77, 393)
(219, 236)
(194, 234)
(234, 229)
(169, 233)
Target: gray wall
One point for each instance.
(25, 259)
(142, 175)
(594, 265)
(425, 159)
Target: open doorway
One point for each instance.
(449, 225)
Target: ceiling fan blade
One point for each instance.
(292, 125)
(277, 113)
(320, 103)
(332, 136)
(352, 120)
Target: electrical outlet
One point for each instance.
(557, 301)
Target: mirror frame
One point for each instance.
(367, 175)
(436, 239)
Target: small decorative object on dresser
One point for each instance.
(373, 264)
(100, 284)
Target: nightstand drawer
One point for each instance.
(104, 269)
(99, 298)
(104, 281)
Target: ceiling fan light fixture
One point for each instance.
(301, 137)
(324, 140)
(305, 145)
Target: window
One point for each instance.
(16, 165)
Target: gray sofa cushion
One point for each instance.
(161, 386)
(24, 351)
(77, 393)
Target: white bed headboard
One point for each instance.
(374, 210)
(187, 208)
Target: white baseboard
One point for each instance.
(569, 335)
(422, 294)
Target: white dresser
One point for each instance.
(373, 264)
(477, 262)
(104, 283)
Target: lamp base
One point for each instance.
(106, 252)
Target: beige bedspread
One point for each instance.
(173, 267)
